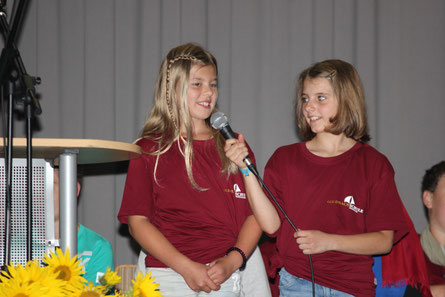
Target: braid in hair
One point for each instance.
(167, 85)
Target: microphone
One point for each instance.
(219, 121)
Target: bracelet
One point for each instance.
(245, 171)
(234, 248)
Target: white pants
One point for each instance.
(254, 281)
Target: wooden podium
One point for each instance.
(90, 151)
(67, 154)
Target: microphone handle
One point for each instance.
(227, 133)
(250, 165)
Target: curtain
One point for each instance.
(98, 61)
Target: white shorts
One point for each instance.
(172, 284)
(254, 281)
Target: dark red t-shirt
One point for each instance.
(351, 193)
(200, 224)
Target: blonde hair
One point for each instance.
(170, 110)
(351, 114)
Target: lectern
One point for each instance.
(67, 154)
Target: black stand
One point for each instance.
(8, 88)
(12, 64)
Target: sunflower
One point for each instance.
(13, 272)
(89, 290)
(65, 268)
(16, 288)
(34, 272)
(144, 286)
(45, 278)
(18, 279)
(118, 293)
(110, 278)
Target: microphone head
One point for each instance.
(219, 120)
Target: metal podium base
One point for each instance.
(42, 210)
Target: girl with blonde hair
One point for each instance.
(184, 200)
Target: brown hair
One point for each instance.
(351, 114)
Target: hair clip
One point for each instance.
(331, 75)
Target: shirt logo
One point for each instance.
(347, 202)
(351, 202)
(238, 193)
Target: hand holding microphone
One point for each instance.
(235, 148)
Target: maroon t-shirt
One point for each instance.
(200, 224)
(351, 193)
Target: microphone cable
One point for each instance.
(255, 172)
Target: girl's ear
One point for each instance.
(427, 199)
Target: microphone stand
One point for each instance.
(7, 149)
(10, 61)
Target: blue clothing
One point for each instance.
(95, 253)
(381, 291)
(291, 285)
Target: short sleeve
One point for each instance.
(385, 210)
(138, 191)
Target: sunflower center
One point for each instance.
(21, 295)
(63, 272)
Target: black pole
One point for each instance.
(28, 108)
(11, 62)
(8, 166)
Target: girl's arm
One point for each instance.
(221, 269)
(264, 211)
(155, 243)
(372, 243)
